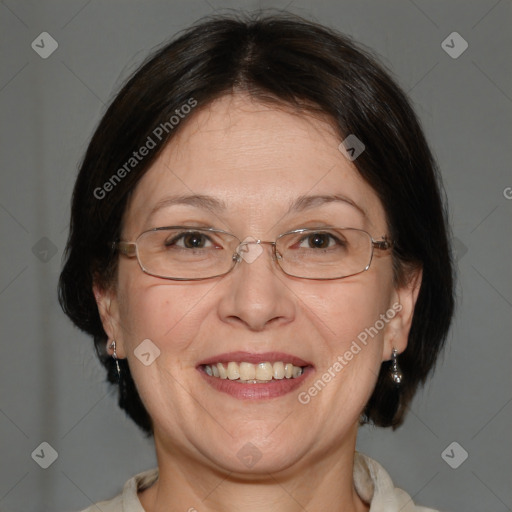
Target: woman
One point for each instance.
(258, 247)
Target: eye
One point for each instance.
(190, 240)
(318, 241)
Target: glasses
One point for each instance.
(184, 253)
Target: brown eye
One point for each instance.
(190, 240)
(194, 240)
(317, 241)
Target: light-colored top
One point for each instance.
(371, 481)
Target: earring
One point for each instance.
(396, 373)
(114, 355)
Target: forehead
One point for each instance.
(256, 160)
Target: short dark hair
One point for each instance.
(290, 61)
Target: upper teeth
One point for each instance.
(248, 372)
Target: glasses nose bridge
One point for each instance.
(243, 248)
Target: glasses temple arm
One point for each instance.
(383, 245)
(127, 248)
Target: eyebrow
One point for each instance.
(306, 202)
(197, 200)
(215, 205)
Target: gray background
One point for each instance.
(52, 388)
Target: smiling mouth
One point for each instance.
(249, 373)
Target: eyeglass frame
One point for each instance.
(130, 250)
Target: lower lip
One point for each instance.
(272, 389)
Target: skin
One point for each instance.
(256, 159)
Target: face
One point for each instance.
(265, 171)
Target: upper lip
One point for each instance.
(255, 358)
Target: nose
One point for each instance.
(255, 293)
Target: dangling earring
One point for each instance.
(114, 355)
(396, 373)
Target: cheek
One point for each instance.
(347, 319)
(351, 318)
(169, 314)
(344, 310)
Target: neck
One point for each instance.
(188, 484)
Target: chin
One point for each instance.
(258, 455)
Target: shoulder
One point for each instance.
(128, 500)
(374, 485)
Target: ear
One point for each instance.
(403, 303)
(106, 300)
